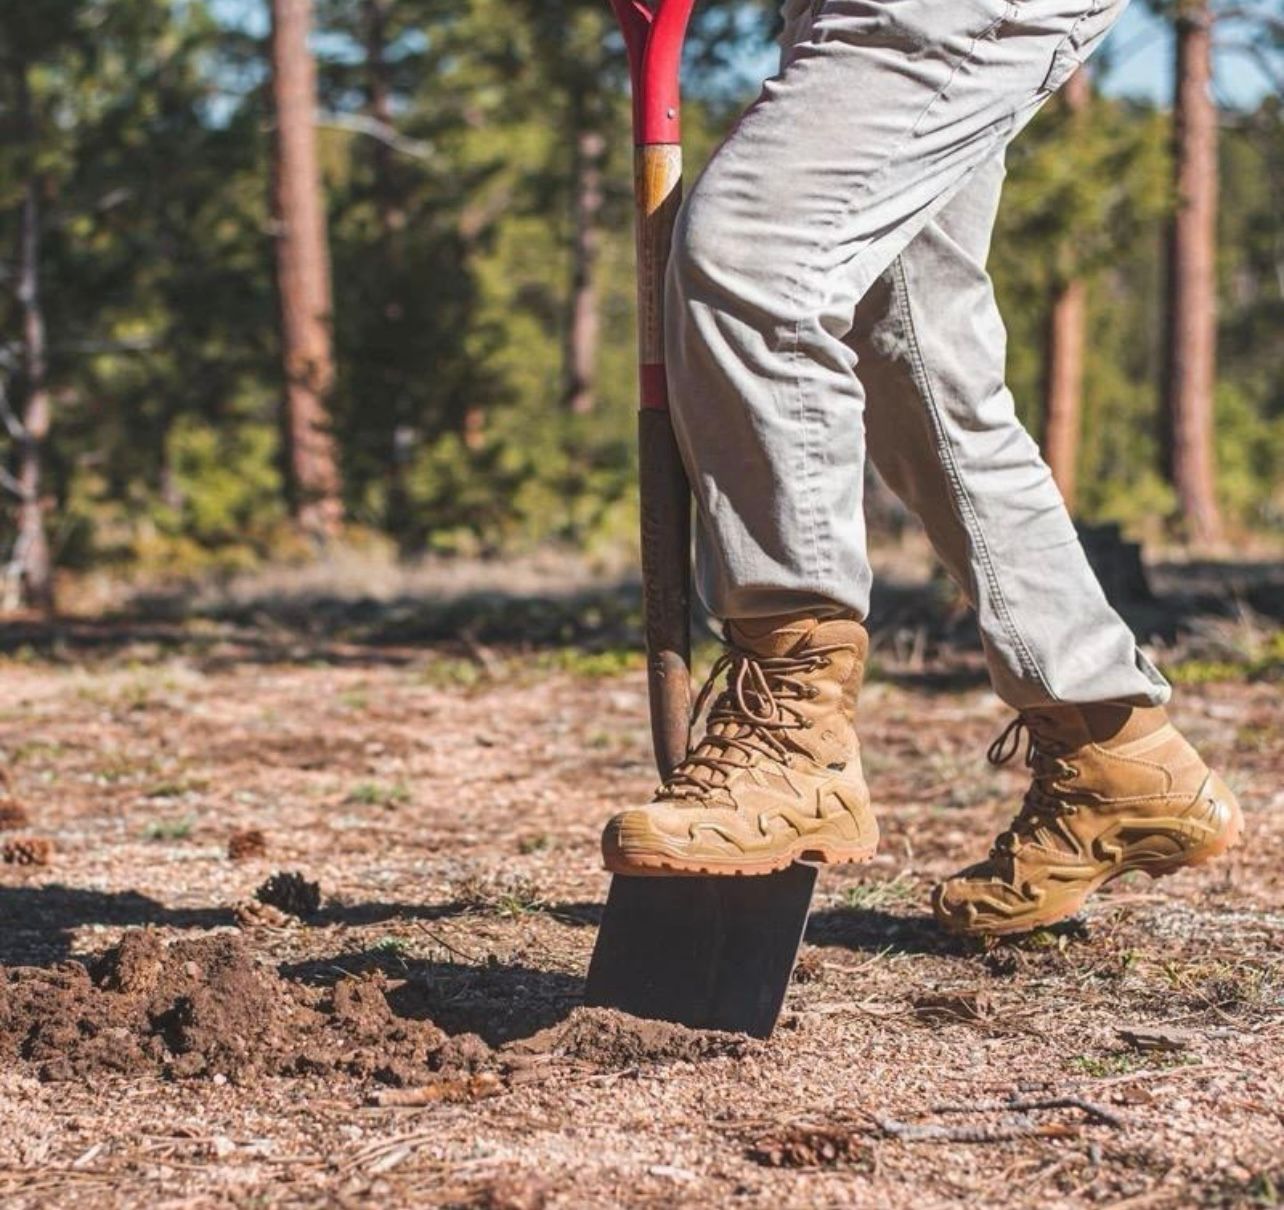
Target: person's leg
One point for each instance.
(943, 431)
(1114, 787)
(884, 111)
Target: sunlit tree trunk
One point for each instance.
(31, 555)
(1192, 285)
(303, 277)
(583, 321)
(1063, 355)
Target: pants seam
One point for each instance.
(805, 458)
(962, 499)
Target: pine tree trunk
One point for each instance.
(32, 559)
(303, 278)
(1192, 285)
(1063, 355)
(583, 323)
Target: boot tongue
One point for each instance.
(768, 637)
(774, 637)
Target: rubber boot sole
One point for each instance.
(1221, 843)
(659, 863)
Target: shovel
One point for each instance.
(711, 953)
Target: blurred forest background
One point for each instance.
(275, 275)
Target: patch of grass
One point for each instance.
(508, 898)
(592, 665)
(1126, 1062)
(1258, 737)
(447, 672)
(169, 829)
(376, 794)
(36, 750)
(178, 786)
(538, 842)
(871, 896)
(1226, 987)
(1101, 1066)
(354, 699)
(1265, 664)
(397, 947)
(1057, 937)
(117, 768)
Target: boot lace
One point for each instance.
(751, 717)
(1046, 800)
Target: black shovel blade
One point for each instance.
(709, 953)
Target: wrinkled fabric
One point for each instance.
(828, 295)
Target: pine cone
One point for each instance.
(27, 850)
(291, 893)
(248, 843)
(251, 914)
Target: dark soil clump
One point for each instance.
(207, 1008)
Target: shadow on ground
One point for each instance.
(920, 628)
(499, 1001)
(871, 931)
(37, 923)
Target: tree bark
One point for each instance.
(1192, 286)
(303, 278)
(1063, 354)
(583, 321)
(32, 559)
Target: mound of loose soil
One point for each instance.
(610, 1040)
(208, 1008)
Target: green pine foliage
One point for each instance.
(451, 250)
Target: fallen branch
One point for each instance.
(1101, 1114)
(472, 1088)
(912, 1132)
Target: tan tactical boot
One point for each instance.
(777, 776)
(1115, 789)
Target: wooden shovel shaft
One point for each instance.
(665, 493)
(653, 35)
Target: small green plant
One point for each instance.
(1101, 1066)
(871, 896)
(177, 787)
(1267, 1190)
(376, 794)
(505, 897)
(539, 842)
(168, 829)
(593, 665)
(397, 947)
(451, 673)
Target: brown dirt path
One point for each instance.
(450, 814)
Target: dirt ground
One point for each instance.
(168, 1040)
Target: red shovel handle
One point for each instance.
(653, 35)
